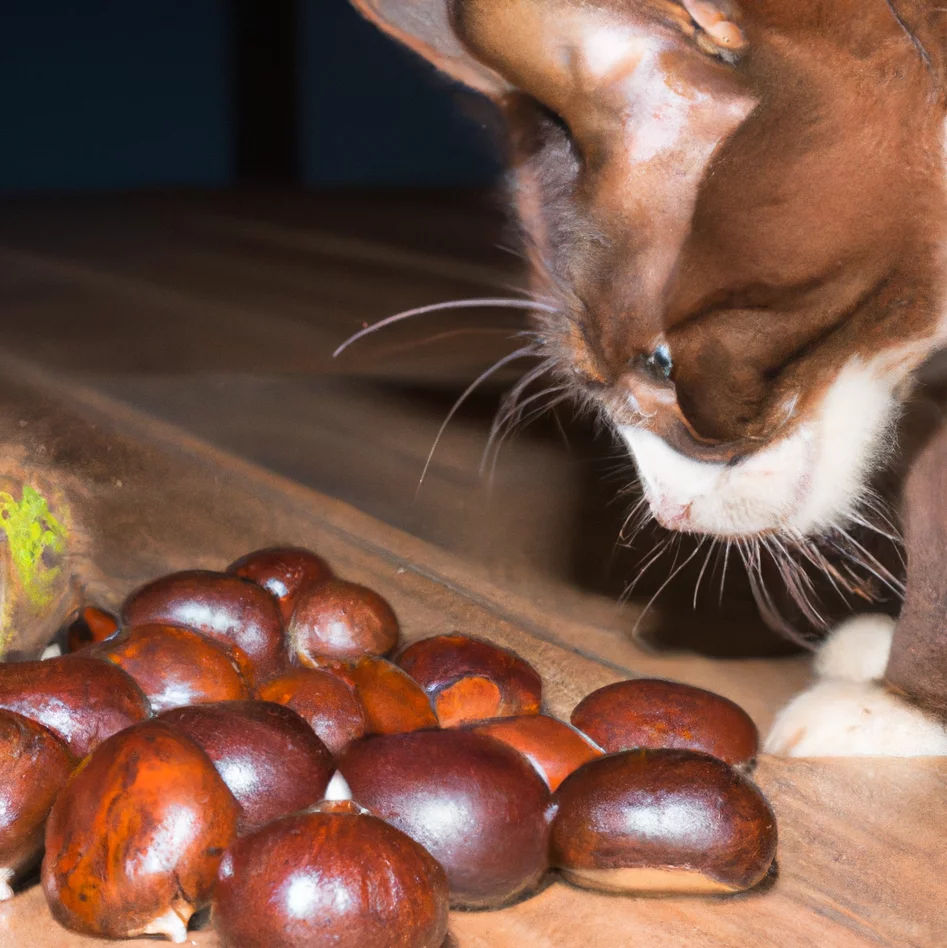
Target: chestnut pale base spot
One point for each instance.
(172, 924)
(648, 881)
(6, 889)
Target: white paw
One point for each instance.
(857, 650)
(848, 713)
(854, 719)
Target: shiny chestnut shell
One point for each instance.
(233, 611)
(469, 679)
(134, 839)
(323, 700)
(394, 702)
(336, 876)
(283, 571)
(34, 765)
(554, 748)
(475, 804)
(665, 821)
(175, 667)
(90, 626)
(341, 620)
(654, 713)
(267, 755)
(81, 700)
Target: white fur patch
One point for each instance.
(854, 719)
(857, 650)
(799, 484)
(848, 713)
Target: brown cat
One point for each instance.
(737, 215)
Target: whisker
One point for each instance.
(723, 574)
(527, 351)
(700, 576)
(664, 585)
(498, 303)
(440, 336)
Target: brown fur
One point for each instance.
(814, 233)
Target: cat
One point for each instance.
(736, 215)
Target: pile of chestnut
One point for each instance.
(239, 740)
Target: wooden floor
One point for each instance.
(199, 329)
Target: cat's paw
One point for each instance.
(849, 713)
(857, 650)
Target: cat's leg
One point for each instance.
(882, 688)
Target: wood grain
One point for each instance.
(863, 844)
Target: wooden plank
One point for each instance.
(863, 848)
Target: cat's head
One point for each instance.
(739, 213)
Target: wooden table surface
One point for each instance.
(164, 483)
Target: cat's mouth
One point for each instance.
(809, 480)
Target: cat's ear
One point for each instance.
(426, 26)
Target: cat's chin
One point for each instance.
(849, 712)
(802, 484)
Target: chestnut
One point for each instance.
(469, 679)
(393, 701)
(662, 821)
(233, 611)
(476, 805)
(267, 755)
(174, 667)
(333, 876)
(554, 748)
(80, 699)
(652, 712)
(90, 626)
(34, 764)
(341, 620)
(323, 700)
(134, 839)
(284, 571)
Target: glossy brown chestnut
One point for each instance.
(662, 821)
(341, 620)
(267, 755)
(654, 713)
(394, 702)
(34, 765)
(81, 700)
(134, 839)
(90, 626)
(554, 748)
(476, 805)
(469, 679)
(229, 609)
(323, 700)
(175, 667)
(284, 571)
(336, 876)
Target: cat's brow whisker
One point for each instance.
(498, 303)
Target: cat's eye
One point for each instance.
(659, 363)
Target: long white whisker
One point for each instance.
(499, 364)
(437, 307)
(664, 585)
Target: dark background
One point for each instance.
(107, 94)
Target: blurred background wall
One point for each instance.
(111, 94)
